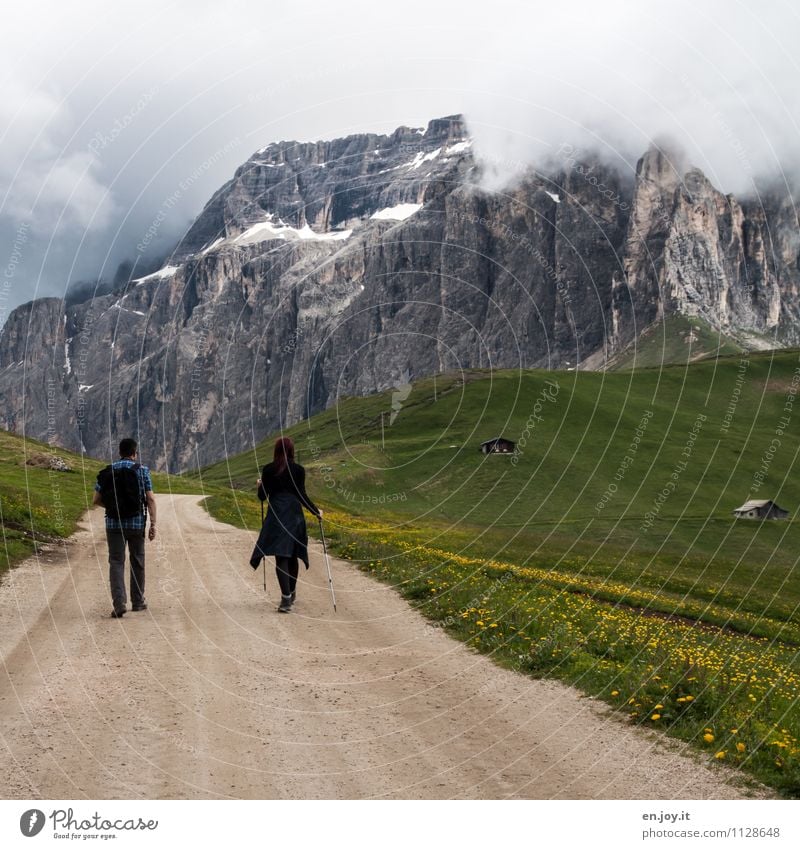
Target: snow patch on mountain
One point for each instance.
(161, 274)
(397, 213)
(266, 230)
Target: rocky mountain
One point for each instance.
(351, 266)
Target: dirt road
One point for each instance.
(211, 693)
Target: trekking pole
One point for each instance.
(328, 562)
(264, 564)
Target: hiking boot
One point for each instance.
(117, 614)
(286, 604)
(140, 606)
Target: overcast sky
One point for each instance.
(108, 108)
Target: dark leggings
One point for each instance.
(286, 569)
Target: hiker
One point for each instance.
(124, 488)
(283, 533)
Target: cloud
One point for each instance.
(41, 180)
(109, 108)
(719, 79)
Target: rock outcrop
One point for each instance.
(346, 267)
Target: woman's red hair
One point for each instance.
(284, 452)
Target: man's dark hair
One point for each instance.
(127, 447)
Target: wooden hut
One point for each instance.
(498, 445)
(760, 510)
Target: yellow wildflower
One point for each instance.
(709, 738)
(720, 756)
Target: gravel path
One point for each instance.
(211, 693)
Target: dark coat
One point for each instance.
(283, 533)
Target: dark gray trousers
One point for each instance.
(117, 540)
(287, 569)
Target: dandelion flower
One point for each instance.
(615, 692)
(655, 716)
(720, 756)
(658, 707)
(740, 747)
(709, 738)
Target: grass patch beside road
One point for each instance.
(41, 506)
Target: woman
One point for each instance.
(283, 533)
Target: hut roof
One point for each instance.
(754, 505)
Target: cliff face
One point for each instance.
(345, 267)
(690, 249)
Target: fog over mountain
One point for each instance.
(118, 122)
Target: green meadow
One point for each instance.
(631, 474)
(604, 551)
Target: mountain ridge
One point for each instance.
(336, 268)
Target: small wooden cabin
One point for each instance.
(498, 445)
(760, 510)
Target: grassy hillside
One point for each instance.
(40, 505)
(632, 473)
(677, 340)
(604, 551)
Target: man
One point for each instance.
(123, 529)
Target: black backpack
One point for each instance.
(121, 491)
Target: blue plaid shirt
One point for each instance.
(134, 523)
